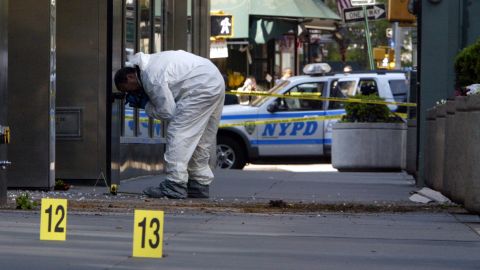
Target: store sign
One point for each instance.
(362, 2)
(218, 49)
(221, 25)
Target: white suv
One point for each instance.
(294, 141)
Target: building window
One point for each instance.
(145, 26)
(130, 41)
(143, 32)
(145, 40)
(158, 26)
(158, 126)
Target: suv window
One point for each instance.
(295, 104)
(347, 87)
(399, 90)
(400, 93)
(343, 89)
(367, 87)
(336, 92)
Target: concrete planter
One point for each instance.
(450, 136)
(411, 163)
(430, 124)
(472, 155)
(456, 147)
(369, 146)
(438, 151)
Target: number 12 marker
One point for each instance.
(53, 219)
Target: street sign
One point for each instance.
(221, 25)
(362, 2)
(218, 49)
(355, 14)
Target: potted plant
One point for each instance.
(369, 137)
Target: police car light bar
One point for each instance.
(317, 68)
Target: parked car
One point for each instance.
(291, 141)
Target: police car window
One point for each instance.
(335, 92)
(367, 87)
(347, 87)
(400, 93)
(298, 104)
(274, 90)
(399, 90)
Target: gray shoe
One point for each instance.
(197, 190)
(167, 189)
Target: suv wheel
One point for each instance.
(230, 154)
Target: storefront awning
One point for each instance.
(293, 9)
(307, 9)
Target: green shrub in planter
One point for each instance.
(467, 65)
(366, 112)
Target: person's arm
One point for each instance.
(162, 104)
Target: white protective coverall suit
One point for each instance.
(188, 91)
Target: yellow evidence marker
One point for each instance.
(53, 219)
(148, 234)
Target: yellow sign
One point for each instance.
(53, 219)
(148, 234)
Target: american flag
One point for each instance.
(343, 4)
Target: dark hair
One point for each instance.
(121, 75)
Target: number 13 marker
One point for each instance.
(148, 234)
(53, 219)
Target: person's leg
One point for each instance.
(199, 171)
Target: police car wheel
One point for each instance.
(229, 154)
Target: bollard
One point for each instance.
(430, 124)
(448, 162)
(472, 181)
(438, 148)
(458, 145)
(411, 166)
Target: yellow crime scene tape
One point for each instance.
(317, 96)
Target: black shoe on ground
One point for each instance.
(167, 189)
(197, 190)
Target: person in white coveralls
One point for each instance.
(188, 91)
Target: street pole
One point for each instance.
(398, 39)
(367, 35)
(3, 93)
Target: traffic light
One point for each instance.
(384, 57)
(398, 11)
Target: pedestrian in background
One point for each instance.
(249, 85)
(287, 73)
(189, 92)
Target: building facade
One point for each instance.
(65, 120)
(445, 28)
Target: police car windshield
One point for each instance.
(274, 90)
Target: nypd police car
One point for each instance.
(292, 138)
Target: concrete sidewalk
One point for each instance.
(256, 190)
(305, 187)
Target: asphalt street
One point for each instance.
(199, 237)
(249, 241)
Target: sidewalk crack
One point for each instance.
(269, 188)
